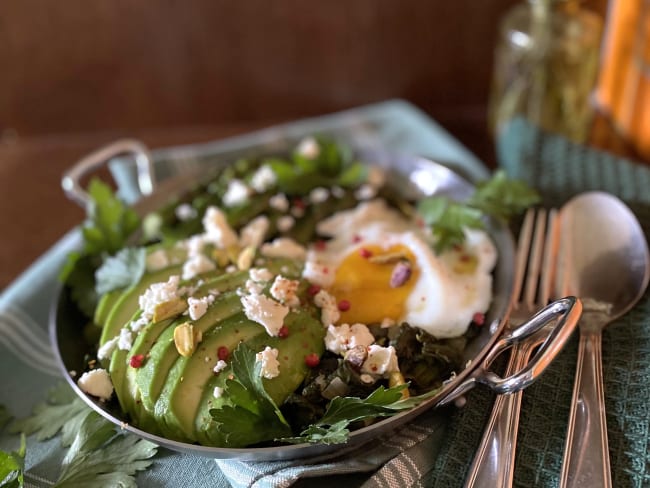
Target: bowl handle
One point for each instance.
(71, 181)
(552, 327)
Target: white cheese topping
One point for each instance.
(125, 340)
(319, 195)
(381, 360)
(107, 349)
(344, 337)
(220, 366)
(254, 232)
(285, 223)
(308, 148)
(260, 275)
(217, 392)
(157, 260)
(184, 212)
(279, 202)
(196, 265)
(158, 293)
(270, 364)
(236, 194)
(283, 247)
(284, 291)
(198, 306)
(96, 382)
(265, 311)
(217, 229)
(263, 179)
(329, 311)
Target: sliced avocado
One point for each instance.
(186, 381)
(305, 336)
(162, 356)
(105, 305)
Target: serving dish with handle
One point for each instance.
(414, 177)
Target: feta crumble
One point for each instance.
(96, 382)
(345, 337)
(265, 311)
(270, 364)
(285, 223)
(196, 265)
(319, 195)
(198, 306)
(220, 366)
(284, 291)
(217, 392)
(217, 229)
(107, 349)
(329, 310)
(308, 148)
(157, 260)
(236, 194)
(184, 212)
(125, 339)
(254, 232)
(158, 293)
(279, 202)
(260, 275)
(365, 192)
(263, 179)
(137, 325)
(283, 247)
(381, 360)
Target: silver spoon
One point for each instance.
(603, 260)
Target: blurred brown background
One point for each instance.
(78, 74)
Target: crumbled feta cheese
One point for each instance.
(194, 245)
(297, 212)
(254, 232)
(158, 293)
(196, 265)
(137, 325)
(184, 212)
(107, 349)
(265, 311)
(253, 287)
(365, 192)
(387, 322)
(308, 148)
(285, 223)
(236, 194)
(217, 229)
(279, 202)
(260, 275)
(157, 260)
(96, 382)
(263, 179)
(319, 195)
(366, 378)
(220, 366)
(329, 310)
(198, 306)
(270, 364)
(217, 392)
(284, 291)
(231, 268)
(338, 192)
(381, 360)
(283, 247)
(125, 340)
(344, 337)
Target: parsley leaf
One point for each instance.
(108, 225)
(121, 270)
(498, 197)
(12, 466)
(253, 416)
(100, 457)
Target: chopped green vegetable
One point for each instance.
(254, 416)
(498, 197)
(12, 466)
(121, 270)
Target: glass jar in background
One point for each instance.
(623, 92)
(545, 69)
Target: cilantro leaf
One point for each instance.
(121, 270)
(99, 457)
(253, 416)
(12, 466)
(498, 197)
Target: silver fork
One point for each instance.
(493, 464)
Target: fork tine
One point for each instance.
(523, 247)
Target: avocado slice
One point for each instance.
(181, 395)
(305, 336)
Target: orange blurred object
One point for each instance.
(623, 90)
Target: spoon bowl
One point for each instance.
(603, 260)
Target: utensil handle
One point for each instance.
(586, 453)
(494, 462)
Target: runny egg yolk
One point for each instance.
(363, 279)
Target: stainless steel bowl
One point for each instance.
(414, 176)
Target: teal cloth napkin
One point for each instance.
(406, 456)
